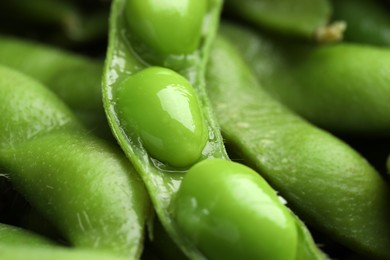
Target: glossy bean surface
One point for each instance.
(324, 181)
(239, 217)
(162, 107)
(125, 59)
(162, 67)
(152, 21)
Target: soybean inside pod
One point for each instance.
(154, 97)
(240, 216)
(327, 184)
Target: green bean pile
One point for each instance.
(199, 129)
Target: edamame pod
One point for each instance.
(16, 243)
(343, 88)
(61, 21)
(60, 13)
(71, 76)
(368, 21)
(74, 78)
(15, 252)
(13, 207)
(163, 245)
(17, 236)
(306, 19)
(81, 184)
(388, 164)
(326, 183)
(374, 150)
(178, 100)
(239, 217)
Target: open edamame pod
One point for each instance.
(326, 183)
(154, 97)
(85, 187)
(368, 21)
(239, 217)
(344, 88)
(306, 19)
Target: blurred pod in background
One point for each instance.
(303, 19)
(78, 25)
(368, 21)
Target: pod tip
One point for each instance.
(331, 33)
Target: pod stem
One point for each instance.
(330, 33)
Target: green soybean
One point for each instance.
(162, 107)
(239, 216)
(368, 21)
(343, 88)
(167, 27)
(85, 187)
(125, 59)
(305, 19)
(326, 183)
